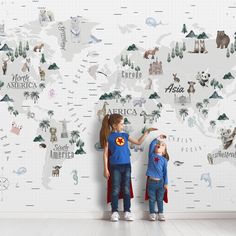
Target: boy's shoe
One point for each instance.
(115, 216)
(161, 217)
(152, 216)
(128, 216)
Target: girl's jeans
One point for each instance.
(121, 176)
(156, 193)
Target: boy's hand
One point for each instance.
(106, 174)
(165, 186)
(161, 137)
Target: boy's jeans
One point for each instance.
(156, 193)
(121, 175)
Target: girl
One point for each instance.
(157, 176)
(113, 139)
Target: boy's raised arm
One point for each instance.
(152, 146)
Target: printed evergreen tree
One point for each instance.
(20, 49)
(126, 59)
(184, 46)
(42, 60)
(129, 63)
(16, 53)
(12, 58)
(173, 53)
(184, 29)
(132, 65)
(1, 84)
(168, 58)
(181, 53)
(122, 58)
(27, 46)
(235, 45)
(24, 53)
(177, 49)
(227, 54)
(232, 48)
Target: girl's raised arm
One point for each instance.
(141, 139)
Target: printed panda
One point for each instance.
(203, 78)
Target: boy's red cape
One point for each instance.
(109, 185)
(165, 199)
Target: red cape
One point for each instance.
(109, 185)
(165, 199)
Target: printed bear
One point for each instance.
(222, 40)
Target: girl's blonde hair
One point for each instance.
(107, 125)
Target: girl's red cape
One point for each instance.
(109, 185)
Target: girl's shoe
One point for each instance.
(161, 217)
(128, 216)
(115, 216)
(152, 217)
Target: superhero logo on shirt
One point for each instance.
(120, 141)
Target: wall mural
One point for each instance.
(61, 73)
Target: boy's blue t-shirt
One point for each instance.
(119, 147)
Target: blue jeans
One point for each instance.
(121, 176)
(156, 193)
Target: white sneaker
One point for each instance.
(115, 216)
(128, 216)
(161, 217)
(152, 216)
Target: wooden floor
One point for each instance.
(71, 227)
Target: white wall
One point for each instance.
(36, 190)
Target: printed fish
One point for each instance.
(20, 171)
(178, 163)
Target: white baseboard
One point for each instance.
(105, 215)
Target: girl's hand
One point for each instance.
(106, 174)
(151, 129)
(165, 186)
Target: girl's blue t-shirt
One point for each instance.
(119, 148)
